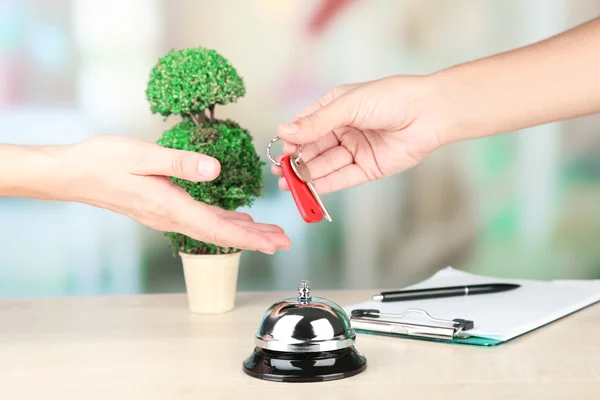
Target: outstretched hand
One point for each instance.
(363, 132)
(131, 177)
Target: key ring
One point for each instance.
(272, 160)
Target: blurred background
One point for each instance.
(523, 205)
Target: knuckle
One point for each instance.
(328, 98)
(159, 207)
(337, 92)
(312, 119)
(138, 158)
(211, 237)
(341, 90)
(177, 164)
(247, 217)
(350, 111)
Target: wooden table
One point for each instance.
(151, 347)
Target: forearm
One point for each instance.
(32, 172)
(556, 79)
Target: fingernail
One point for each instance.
(289, 129)
(268, 251)
(207, 167)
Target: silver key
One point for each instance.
(303, 173)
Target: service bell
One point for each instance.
(304, 339)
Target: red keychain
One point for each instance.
(305, 201)
(297, 175)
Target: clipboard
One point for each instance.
(486, 320)
(455, 331)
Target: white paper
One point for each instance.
(500, 316)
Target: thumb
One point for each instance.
(188, 165)
(310, 127)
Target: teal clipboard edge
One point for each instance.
(473, 340)
(468, 341)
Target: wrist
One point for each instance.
(449, 99)
(36, 172)
(437, 104)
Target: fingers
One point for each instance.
(309, 152)
(314, 149)
(225, 233)
(346, 177)
(230, 214)
(274, 233)
(250, 237)
(338, 113)
(189, 201)
(202, 222)
(289, 148)
(283, 185)
(188, 165)
(258, 226)
(275, 170)
(324, 164)
(318, 128)
(330, 161)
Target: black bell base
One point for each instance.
(323, 366)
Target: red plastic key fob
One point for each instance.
(306, 203)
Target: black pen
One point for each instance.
(451, 291)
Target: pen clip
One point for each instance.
(370, 320)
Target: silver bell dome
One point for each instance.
(305, 324)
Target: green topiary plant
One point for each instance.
(187, 83)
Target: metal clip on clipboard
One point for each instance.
(370, 321)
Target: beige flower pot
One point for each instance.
(211, 281)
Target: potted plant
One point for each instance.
(188, 83)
